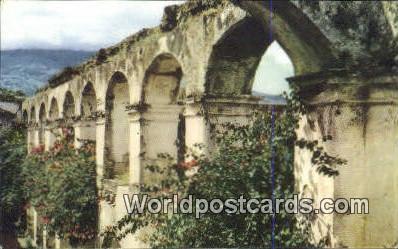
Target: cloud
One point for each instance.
(80, 25)
(90, 25)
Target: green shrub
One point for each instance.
(12, 196)
(61, 185)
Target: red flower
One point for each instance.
(188, 165)
(45, 220)
(38, 149)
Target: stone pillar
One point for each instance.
(35, 224)
(30, 138)
(78, 134)
(196, 128)
(160, 134)
(84, 130)
(44, 237)
(49, 136)
(57, 242)
(100, 149)
(36, 136)
(360, 113)
(135, 169)
(105, 213)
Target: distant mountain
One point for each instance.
(270, 99)
(29, 69)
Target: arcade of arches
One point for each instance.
(163, 89)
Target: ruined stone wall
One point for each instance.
(204, 55)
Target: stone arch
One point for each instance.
(54, 110)
(88, 106)
(162, 80)
(233, 60)
(68, 105)
(308, 48)
(117, 127)
(164, 129)
(85, 129)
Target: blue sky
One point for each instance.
(90, 25)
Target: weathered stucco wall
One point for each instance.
(361, 115)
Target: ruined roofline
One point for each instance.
(173, 15)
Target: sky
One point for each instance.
(79, 25)
(91, 25)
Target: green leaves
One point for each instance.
(12, 197)
(61, 185)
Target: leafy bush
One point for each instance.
(61, 185)
(12, 196)
(240, 167)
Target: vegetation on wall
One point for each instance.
(240, 167)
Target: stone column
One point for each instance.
(78, 134)
(135, 147)
(360, 113)
(160, 133)
(35, 224)
(100, 149)
(44, 237)
(84, 130)
(104, 210)
(196, 128)
(57, 242)
(36, 136)
(30, 138)
(49, 136)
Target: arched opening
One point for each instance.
(25, 117)
(255, 66)
(69, 105)
(89, 101)
(234, 60)
(252, 70)
(88, 108)
(33, 115)
(52, 129)
(164, 129)
(117, 128)
(271, 74)
(32, 134)
(68, 113)
(54, 112)
(307, 46)
(42, 123)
